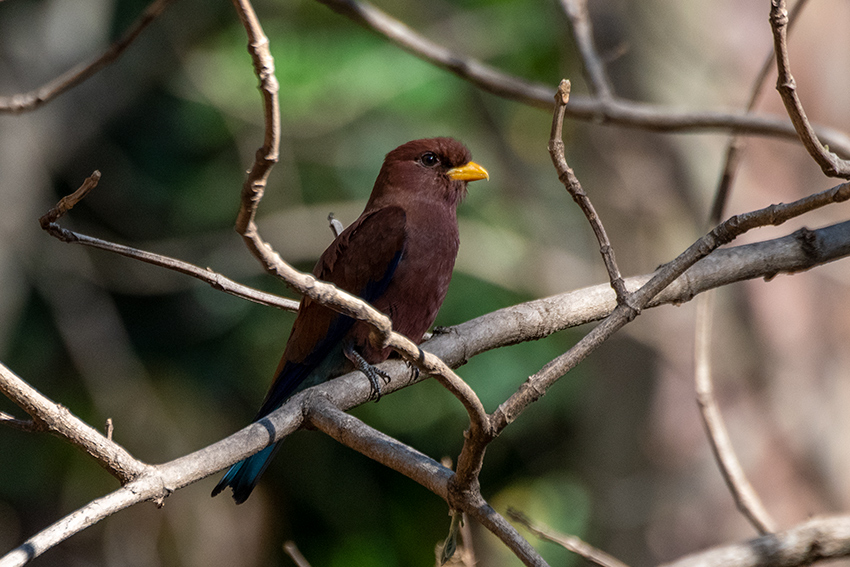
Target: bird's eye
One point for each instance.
(429, 159)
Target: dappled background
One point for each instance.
(615, 452)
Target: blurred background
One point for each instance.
(614, 453)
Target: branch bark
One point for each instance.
(614, 111)
(811, 541)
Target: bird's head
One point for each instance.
(433, 169)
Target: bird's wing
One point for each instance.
(362, 261)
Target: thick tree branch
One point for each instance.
(352, 432)
(811, 541)
(528, 321)
(50, 416)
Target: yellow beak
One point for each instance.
(468, 172)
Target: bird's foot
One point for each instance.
(373, 373)
(414, 371)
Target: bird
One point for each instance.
(398, 256)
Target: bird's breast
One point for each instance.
(421, 280)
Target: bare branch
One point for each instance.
(75, 522)
(497, 524)
(31, 100)
(52, 417)
(594, 69)
(49, 222)
(528, 321)
(255, 184)
(616, 112)
(737, 144)
(830, 163)
(352, 432)
(811, 541)
(571, 182)
(540, 318)
(745, 496)
(742, 491)
(568, 542)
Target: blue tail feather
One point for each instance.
(244, 475)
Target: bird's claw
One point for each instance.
(373, 373)
(414, 371)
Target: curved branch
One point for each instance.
(830, 163)
(568, 542)
(745, 496)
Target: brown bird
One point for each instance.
(398, 256)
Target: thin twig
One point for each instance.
(582, 27)
(744, 494)
(568, 542)
(49, 222)
(737, 143)
(109, 428)
(21, 424)
(830, 163)
(31, 100)
(292, 551)
(616, 111)
(255, 184)
(571, 182)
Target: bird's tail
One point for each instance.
(244, 475)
